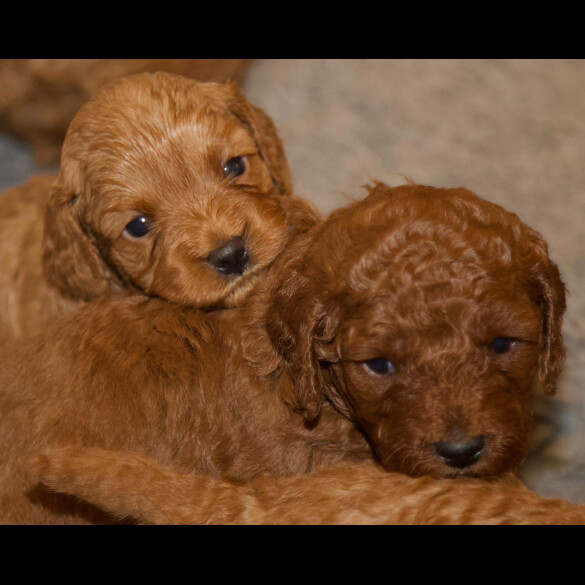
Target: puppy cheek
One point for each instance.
(389, 435)
(266, 234)
(186, 282)
(395, 446)
(375, 406)
(509, 443)
(133, 261)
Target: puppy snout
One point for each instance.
(231, 258)
(461, 453)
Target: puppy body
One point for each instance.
(131, 486)
(355, 343)
(132, 373)
(192, 166)
(27, 301)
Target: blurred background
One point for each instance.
(512, 131)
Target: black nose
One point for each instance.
(461, 453)
(231, 258)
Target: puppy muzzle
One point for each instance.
(231, 258)
(462, 453)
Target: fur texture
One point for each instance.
(194, 164)
(457, 295)
(133, 487)
(298, 379)
(40, 97)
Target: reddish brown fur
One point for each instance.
(433, 279)
(40, 97)
(132, 487)
(147, 145)
(274, 388)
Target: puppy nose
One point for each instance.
(461, 453)
(231, 258)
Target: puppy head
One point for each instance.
(424, 315)
(172, 187)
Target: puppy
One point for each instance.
(408, 327)
(168, 187)
(40, 97)
(133, 487)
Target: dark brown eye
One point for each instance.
(235, 167)
(380, 366)
(503, 344)
(139, 227)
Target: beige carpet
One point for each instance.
(513, 131)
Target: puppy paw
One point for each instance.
(68, 469)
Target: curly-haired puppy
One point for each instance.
(40, 97)
(411, 324)
(427, 316)
(133, 487)
(170, 187)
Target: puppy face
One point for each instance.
(442, 311)
(439, 373)
(170, 187)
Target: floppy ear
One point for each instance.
(297, 320)
(552, 299)
(71, 262)
(300, 214)
(267, 139)
(292, 333)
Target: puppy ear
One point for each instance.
(297, 320)
(552, 299)
(293, 333)
(267, 139)
(71, 262)
(300, 214)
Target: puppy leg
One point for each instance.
(131, 485)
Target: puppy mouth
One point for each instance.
(239, 289)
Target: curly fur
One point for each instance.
(432, 280)
(152, 145)
(40, 97)
(131, 487)
(427, 277)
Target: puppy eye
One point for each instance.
(139, 227)
(503, 344)
(235, 167)
(380, 366)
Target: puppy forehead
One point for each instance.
(416, 259)
(394, 329)
(152, 114)
(199, 128)
(185, 158)
(226, 133)
(414, 226)
(461, 293)
(203, 111)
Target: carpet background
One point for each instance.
(512, 131)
